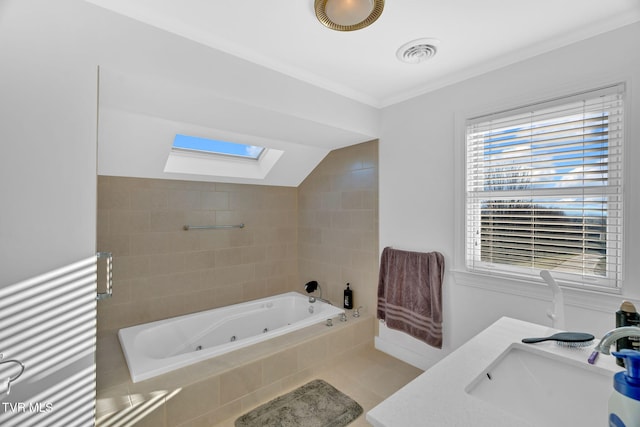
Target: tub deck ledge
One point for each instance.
(220, 383)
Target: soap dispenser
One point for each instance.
(348, 298)
(624, 404)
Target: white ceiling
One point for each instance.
(475, 36)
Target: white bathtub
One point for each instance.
(159, 347)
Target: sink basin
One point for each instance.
(545, 388)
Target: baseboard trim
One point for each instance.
(404, 354)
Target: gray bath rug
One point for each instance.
(315, 404)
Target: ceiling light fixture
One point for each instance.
(348, 15)
(417, 51)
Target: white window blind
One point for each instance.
(544, 189)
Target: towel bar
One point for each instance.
(210, 227)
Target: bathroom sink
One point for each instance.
(545, 388)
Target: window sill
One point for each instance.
(605, 300)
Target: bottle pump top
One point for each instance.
(628, 307)
(628, 383)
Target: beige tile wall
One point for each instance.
(325, 230)
(338, 224)
(161, 270)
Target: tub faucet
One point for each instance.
(612, 336)
(311, 287)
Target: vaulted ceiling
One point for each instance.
(475, 37)
(268, 73)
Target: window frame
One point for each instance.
(612, 285)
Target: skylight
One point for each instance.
(212, 146)
(192, 155)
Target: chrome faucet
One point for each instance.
(311, 287)
(610, 337)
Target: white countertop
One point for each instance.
(438, 397)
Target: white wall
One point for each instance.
(421, 207)
(47, 131)
(47, 219)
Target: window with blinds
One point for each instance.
(544, 189)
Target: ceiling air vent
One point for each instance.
(417, 51)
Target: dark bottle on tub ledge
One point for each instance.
(348, 298)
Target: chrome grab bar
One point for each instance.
(210, 227)
(109, 275)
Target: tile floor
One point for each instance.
(368, 376)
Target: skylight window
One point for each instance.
(212, 146)
(193, 155)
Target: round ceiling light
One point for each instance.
(348, 15)
(417, 51)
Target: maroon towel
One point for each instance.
(410, 293)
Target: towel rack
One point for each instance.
(210, 227)
(12, 379)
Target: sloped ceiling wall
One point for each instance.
(154, 84)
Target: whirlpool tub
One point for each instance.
(159, 347)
